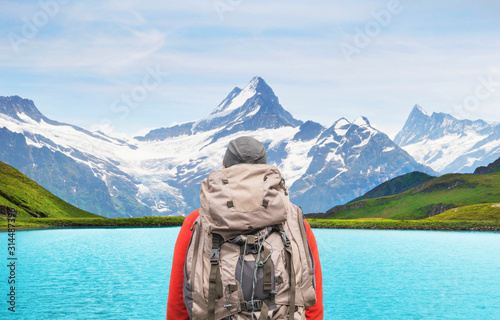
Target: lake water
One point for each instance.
(367, 274)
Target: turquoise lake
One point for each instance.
(367, 274)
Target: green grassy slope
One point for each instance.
(396, 185)
(476, 212)
(31, 200)
(428, 199)
(422, 224)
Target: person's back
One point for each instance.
(250, 254)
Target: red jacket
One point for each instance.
(176, 309)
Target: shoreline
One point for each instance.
(160, 222)
(424, 224)
(77, 223)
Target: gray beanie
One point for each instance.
(244, 150)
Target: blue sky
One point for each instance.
(176, 60)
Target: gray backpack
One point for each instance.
(248, 257)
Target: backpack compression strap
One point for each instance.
(291, 269)
(215, 283)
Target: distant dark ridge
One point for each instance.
(492, 167)
(396, 185)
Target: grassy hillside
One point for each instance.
(476, 212)
(428, 199)
(31, 200)
(396, 185)
(390, 224)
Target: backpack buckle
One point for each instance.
(285, 239)
(254, 305)
(215, 256)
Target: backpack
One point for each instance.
(248, 257)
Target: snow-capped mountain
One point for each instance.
(347, 158)
(447, 144)
(76, 165)
(160, 173)
(251, 108)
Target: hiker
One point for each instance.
(259, 290)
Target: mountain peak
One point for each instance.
(257, 84)
(447, 144)
(253, 107)
(14, 106)
(417, 119)
(238, 97)
(441, 117)
(338, 128)
(418, 111)
(362, 122)
(340, 123)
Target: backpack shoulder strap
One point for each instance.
(290, 267)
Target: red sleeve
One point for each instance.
(176, 309)
(315, 312)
